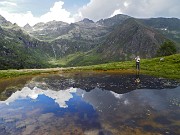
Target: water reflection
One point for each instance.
(119, 83)
(59, 97)
(8, 86)
(93, 104)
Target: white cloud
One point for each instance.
(116, 12)
(20, 19)
(126, 4)
(118, 96)
(95, 10)
(60, 97)
(153, 8)
(6, 3)
(99, 9)
(56, 13)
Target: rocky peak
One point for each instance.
(56, 23)
(132, 38)
(39, 25)
(27, 27)
(86, 20)
(4, 22)
(115, 20)
(2, 19)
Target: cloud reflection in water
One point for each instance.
(60, 97)
(98, 103)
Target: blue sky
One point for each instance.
(39, 7)
(34, 11)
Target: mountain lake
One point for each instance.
(90, 103)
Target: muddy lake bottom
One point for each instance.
(90, 103)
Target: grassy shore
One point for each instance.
(169, 67)
(15, 73)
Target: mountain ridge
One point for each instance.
(111, 39)
(137, 39)
(129, 39)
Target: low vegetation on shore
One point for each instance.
(16, 73)
(168, 67)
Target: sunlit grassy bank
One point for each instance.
(16, 73)
(168, 67)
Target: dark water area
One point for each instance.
(90, 103)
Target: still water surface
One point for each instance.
(91, 104)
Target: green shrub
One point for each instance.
(166, 49)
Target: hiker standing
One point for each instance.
(137, 63)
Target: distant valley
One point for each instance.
(59, 44)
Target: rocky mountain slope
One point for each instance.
(82, 30)
(170, 27)
(127, 40)
(47, 31)
(4, 22)
(113, 21)
(19, 50)
(113, 39)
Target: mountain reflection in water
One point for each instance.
(119, 83)
(93, 104)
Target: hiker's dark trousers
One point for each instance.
(137, 65)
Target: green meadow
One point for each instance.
(168, 67)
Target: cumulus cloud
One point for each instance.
(153, 8)
(56, 13)
(98, 9)
(6, 3)
(118, 11)
(20, 19)
(95, 10)
(60, 97)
